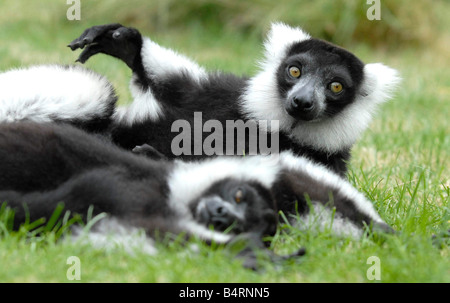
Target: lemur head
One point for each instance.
(237, 206)
(321, 94)
(317, 80)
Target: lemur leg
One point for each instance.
(115, 40)
(152, 63)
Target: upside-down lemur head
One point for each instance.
(237, 206)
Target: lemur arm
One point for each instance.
(146, 59)
(251, 250)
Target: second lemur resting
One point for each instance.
(45, 164)
(322, 96)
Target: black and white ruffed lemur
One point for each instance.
(322, 96)
(216, 200)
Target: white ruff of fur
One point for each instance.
(324, 176)
(261, 100)
(49, 92)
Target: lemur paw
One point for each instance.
(149, 151)
(112, 39)
(252, 251)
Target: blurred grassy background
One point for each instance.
(402, 163)
(404, 24)
(226, 34)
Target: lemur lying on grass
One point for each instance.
(321, 96)
(215, 200)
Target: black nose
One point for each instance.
(304, 104)
(217, 214)
(216, 208)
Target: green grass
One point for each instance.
(402, 163)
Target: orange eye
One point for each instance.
(238, 196)
(336, 87)
(294, 71)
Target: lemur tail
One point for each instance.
(56, 93)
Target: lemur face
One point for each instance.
(317, 79)
(236, 206)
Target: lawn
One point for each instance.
(402, 163)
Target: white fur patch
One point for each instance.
(110, 234)
(48, 92)
(321, 219)
(261, 100)
(324, 176)
(159, 62)
(279, 39)
(144, 106)
(380, 82)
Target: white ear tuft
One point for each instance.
(280, 37)
(380, 82)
